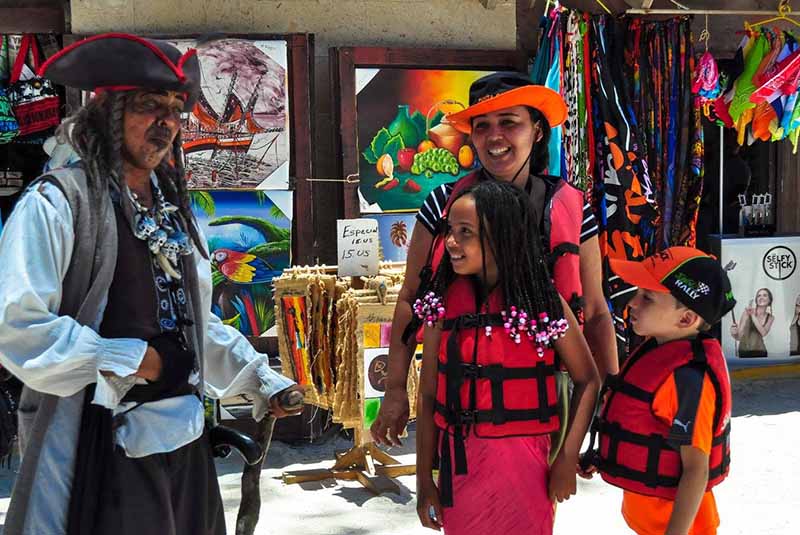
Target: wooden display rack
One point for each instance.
(371, 303)
(367, 464)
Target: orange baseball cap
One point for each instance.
(501, 90)
(693, 277)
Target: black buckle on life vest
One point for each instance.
(470, 321)
(466, 417)
(471, 371)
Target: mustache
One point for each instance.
(160, 135)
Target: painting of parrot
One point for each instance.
(242, 268)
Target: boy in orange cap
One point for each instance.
(665, 422)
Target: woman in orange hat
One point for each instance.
(509, 121)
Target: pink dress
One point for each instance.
(505, 489)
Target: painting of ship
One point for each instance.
(236, 136)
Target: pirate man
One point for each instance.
(105, 295)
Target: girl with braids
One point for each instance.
(487, 399)
(105, 300)
(508, 121)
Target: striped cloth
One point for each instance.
(430, 213)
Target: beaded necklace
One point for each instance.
(166, 241)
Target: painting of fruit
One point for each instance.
(406, 146)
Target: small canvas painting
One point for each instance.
(376, 362)
(394, 231)
(406, 146)
(237, 134)
(249, 240)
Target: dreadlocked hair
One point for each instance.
(507, 218)
(96, 133)
(540, 155)
(171, 175)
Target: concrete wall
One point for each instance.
(395, 23)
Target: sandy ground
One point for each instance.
(759, 497)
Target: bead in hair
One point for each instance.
(429, 308)
(544, 332)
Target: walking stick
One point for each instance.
(250, 506)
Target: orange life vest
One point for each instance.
(634, 453)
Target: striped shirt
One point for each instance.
(430, 213)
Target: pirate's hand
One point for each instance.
(287, 402)
(175, 361)
(150, 367)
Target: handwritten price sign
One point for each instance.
(357, 246)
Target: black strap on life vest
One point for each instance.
(457, 371)
(654, 444)
(499, 414)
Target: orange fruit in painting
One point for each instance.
(385, 165)
(426, 145)
(466, 157)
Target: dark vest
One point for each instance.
(132, 308)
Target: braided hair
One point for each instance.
(507, 218)
(540, 155)
(96, 133)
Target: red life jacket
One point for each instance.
(634, 453)
(488, 384)
(564, 205)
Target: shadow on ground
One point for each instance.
(766, 397)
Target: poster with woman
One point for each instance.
(765, 325)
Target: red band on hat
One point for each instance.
(182, 61)
(157, 51)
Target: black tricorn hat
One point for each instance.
(121, 62)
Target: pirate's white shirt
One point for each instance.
(56, 355)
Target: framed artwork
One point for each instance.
(393, 132)
(394, 233)
(237, 134)
(246, 110)
(249, 241)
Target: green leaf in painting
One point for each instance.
(394, 145)
(202, 201)
(437, 118)
(235, 322)
(370, 156)
(379, 142)
(419, 121)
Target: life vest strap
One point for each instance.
(615, 383)
(497, 374)
(654, 444)
(470, 321)
(471, 417)
(564, 248)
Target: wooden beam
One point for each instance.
(32, 20)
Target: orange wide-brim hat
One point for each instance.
(502, 90)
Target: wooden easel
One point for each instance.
(367, 464)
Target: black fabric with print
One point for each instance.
(689, 388)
